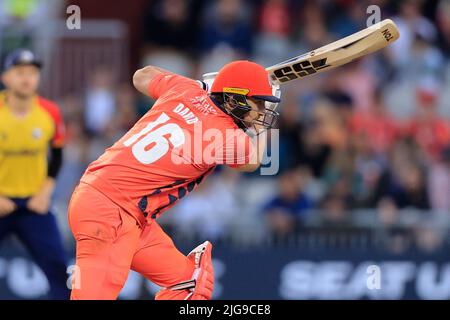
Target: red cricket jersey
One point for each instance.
(169, 151)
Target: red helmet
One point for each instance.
(246, 78)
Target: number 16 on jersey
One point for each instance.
(153, 144)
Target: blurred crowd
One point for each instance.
(367, 142)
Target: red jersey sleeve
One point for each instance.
(167, 82)
(59, 136)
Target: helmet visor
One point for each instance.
(264, 115)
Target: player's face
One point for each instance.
(258, 108)
(22, 81)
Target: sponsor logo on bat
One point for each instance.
(299, 70)
(387, 34)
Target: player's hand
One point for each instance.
(39, 203)
(7, 206)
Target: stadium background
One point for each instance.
(364, 166)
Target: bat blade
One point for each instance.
(336, 53)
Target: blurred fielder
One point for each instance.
(30, 126)
(167, 153)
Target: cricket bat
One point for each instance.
(337, 53)
(332, 55)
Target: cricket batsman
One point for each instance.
(113, 211)
(31, 128)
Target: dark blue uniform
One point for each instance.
(40, 235)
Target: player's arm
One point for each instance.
(40, 202)
(143, 77)
(255, 158)
(54, 166)
(242, 151)
(55, 163)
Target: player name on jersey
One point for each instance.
(185, 113)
